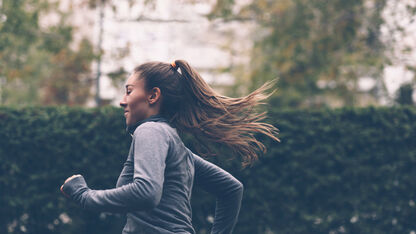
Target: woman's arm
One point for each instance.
(150, 149)
(227, 189)
(124, 177)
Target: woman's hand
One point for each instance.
(68, 179)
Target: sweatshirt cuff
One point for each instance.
(75, 187)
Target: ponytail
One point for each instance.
(224, 120)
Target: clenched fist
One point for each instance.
(68, 179)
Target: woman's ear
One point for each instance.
(154, 95)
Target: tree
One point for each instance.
(37, 64)
(404, 94)
(318, 49)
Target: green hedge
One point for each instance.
(341, 170)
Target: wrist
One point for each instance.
(74, 186)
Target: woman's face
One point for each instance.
(135, 100)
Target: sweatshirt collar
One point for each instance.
(155, 118)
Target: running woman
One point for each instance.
(155, 184)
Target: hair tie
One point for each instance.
(173, 64)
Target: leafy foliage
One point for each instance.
(318, 49)
(38, 64)
(345, 169)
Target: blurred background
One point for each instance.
(345, 107)
(324, 53)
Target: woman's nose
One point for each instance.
(123, 102)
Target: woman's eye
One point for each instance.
(128, 91)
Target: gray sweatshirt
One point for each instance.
(155, 185)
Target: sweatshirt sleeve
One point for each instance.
(227, 189)
(150, 149)
(124, 177)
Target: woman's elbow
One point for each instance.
(152, 200)
(146, 195)
(237, 189)
(235, 192)
(240, 188)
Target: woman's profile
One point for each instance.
(155, 185)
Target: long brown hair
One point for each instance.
(192, 106)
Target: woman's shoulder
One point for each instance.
(153, 126)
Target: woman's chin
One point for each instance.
(128, 122)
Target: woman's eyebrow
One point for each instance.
(129, 85)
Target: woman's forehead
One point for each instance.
(133, 80)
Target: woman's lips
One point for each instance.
(125, 113)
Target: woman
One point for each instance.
(155, 185)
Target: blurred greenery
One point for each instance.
(38, 65)
(318, 49)
(335, 170)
